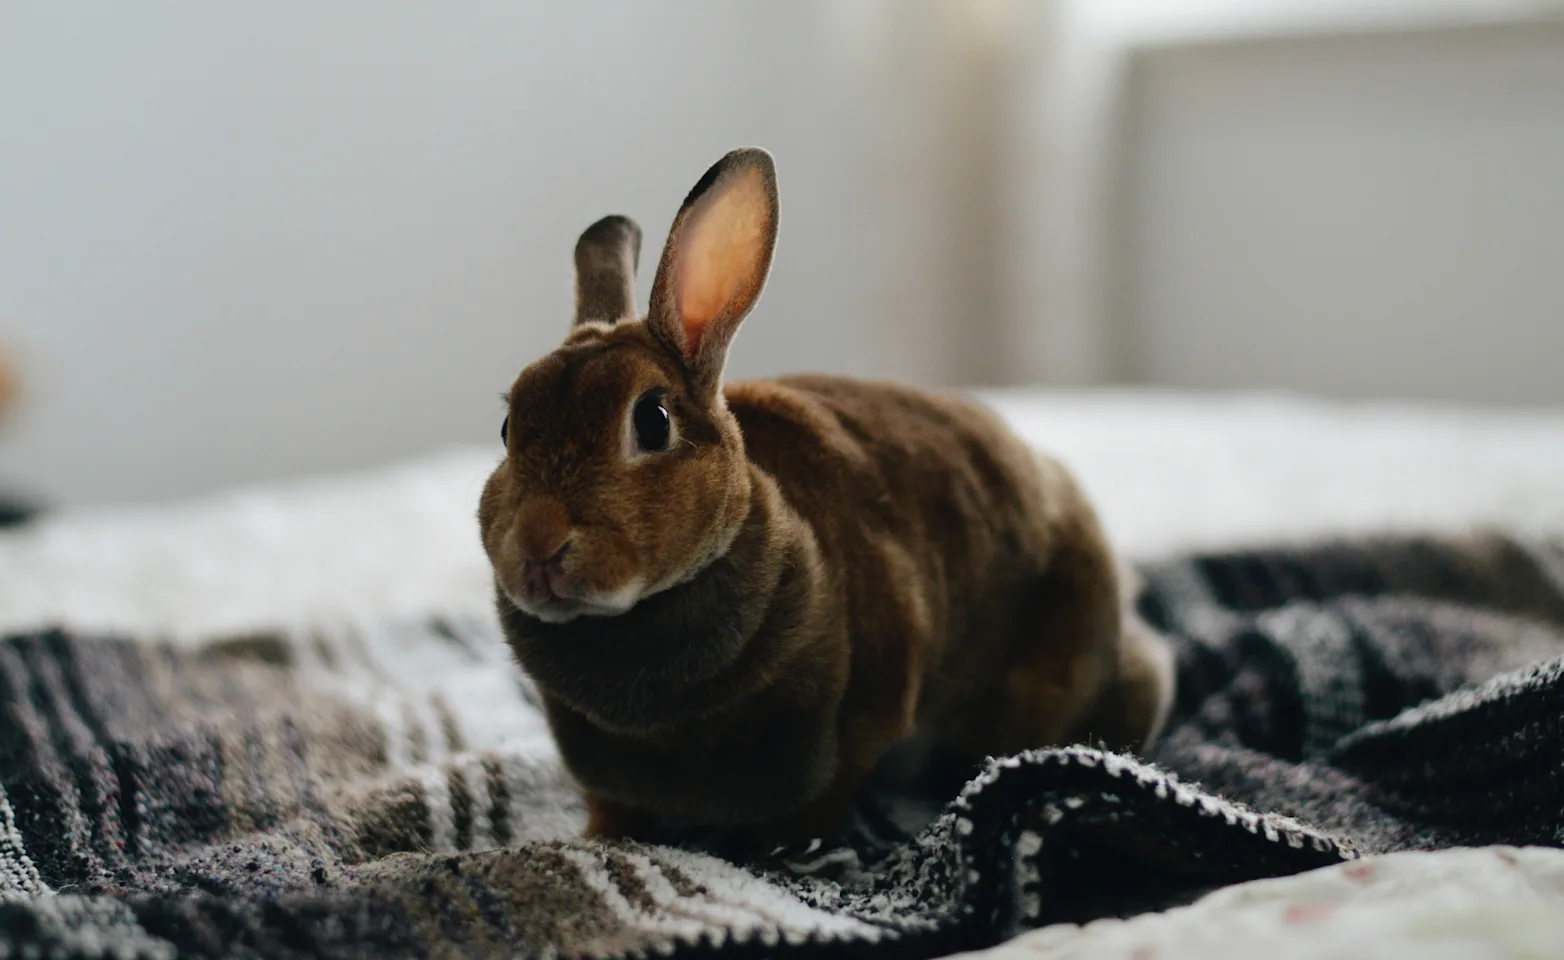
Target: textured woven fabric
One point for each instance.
(390, 788)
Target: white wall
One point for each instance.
(242, 241)
(249, 241)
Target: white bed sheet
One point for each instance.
(1489, 903)
(1168, 471)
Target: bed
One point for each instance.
(1171, 472)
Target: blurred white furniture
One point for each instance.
(1353, 199)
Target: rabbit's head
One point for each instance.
(624, 472)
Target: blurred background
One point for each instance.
(246, 242)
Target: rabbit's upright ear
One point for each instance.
(606, 256)
(716, 261)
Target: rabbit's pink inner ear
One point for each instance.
(723, 256)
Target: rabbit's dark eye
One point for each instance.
(505, 431)
(651, 423)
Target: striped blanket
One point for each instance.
(375, 788)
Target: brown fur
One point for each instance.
(819, 567)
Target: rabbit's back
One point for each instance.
(931, 515)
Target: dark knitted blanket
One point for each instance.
(389, 789)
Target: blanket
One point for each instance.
(389, 788)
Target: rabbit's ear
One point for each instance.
(716, 260)
(606, 256)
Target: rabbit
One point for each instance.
(734, 598)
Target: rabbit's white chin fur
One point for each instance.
(565, 609)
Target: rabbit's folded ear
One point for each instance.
(716, 261)
(606, 256)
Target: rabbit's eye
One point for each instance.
(505, 431)
(651, 423)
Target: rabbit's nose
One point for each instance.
(546, 575)
(550, 557)
(556, 560)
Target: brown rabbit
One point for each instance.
(735, 598)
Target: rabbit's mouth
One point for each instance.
(543, 602)
(551, 600)
(550, 610)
